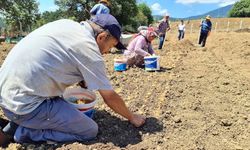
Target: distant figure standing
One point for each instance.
(163, 28)
(101, 8)
(181, 28)
(206, 26)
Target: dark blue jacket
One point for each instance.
(206, 26)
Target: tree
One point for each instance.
(139, 20)
(146, 12)
(19, 14)
(240, 9)
(5, 4)
(124, 10)
(49, 16)
(77, 10)
(143, 17)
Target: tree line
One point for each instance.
(240, 9)
(24, 16)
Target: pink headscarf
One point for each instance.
(149, 32)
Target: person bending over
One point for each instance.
(140, 47)
(47, 61)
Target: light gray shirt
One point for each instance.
(47, 61)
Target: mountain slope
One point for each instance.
(159, 17)
(217, 13)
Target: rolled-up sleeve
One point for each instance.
(95, 76)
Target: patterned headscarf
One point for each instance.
(149, 32)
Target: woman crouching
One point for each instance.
(139, 47)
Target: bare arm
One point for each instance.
(115, 102)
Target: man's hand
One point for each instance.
(115, 102)
(137, 120)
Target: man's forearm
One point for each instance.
(115, 102)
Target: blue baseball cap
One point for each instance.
(108, 22)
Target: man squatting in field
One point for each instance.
(39, 68)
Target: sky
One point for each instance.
(176, 8)
(47, 5)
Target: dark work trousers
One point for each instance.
(162, 38)
(181, 34)
(203, 38)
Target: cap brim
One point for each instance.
(120, 46)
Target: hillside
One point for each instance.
(159, 17)
(217, 13)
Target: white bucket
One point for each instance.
(152, 63)
(73, 94)
(120, 64)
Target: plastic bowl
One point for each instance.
(73, 94)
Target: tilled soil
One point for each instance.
(200, 99)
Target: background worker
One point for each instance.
(163, 27)
(101, 8)
(30, 94)
(139, 47)
(181, 29)
(206, 27)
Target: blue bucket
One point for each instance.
(120, 65)
(90, 113)
(152, 63)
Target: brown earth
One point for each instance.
(199, 100)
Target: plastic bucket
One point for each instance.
(152, 63)
(120, 64)
(83, 99)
